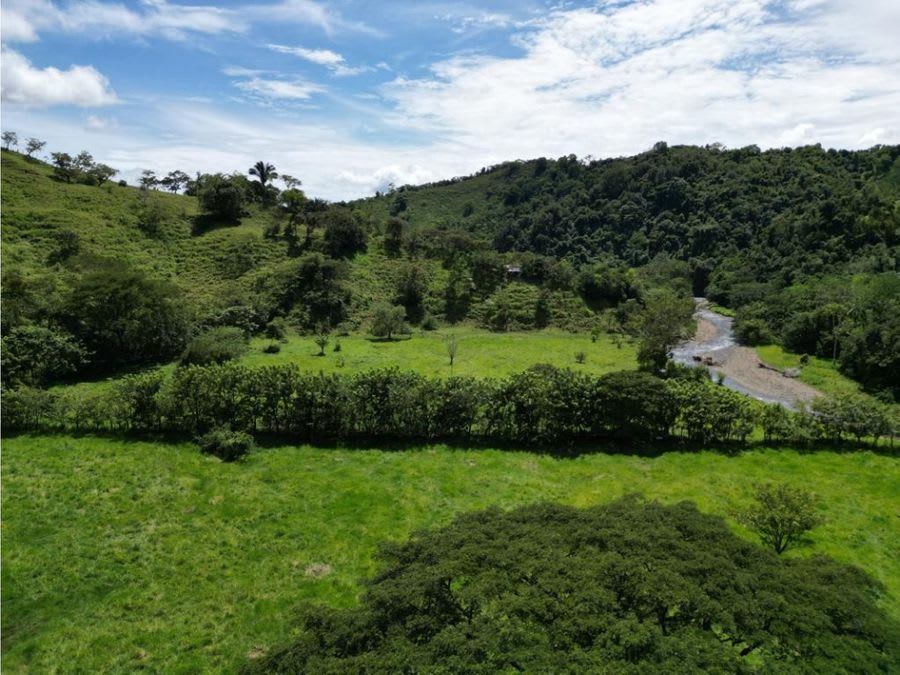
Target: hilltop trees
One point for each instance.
(264, 172)
(221, 197)
(10, 138)
(629, 586)
(33, 145)
(81, 169)
(175, 181)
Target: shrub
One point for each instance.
(27, 409)
(634, 405)
(272, 348)
(388, 320)
(216, 345)
(429, 322)
(709, 413)
(276, 329)
(752, 332)
(222, 197)
(580, 357)
(36, 355)
(227, 445)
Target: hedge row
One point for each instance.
(540, 405)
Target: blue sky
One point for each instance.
(351, 96)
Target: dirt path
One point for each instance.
(739, 366)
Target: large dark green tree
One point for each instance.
(628, 587)
(123, 317)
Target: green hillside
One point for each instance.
(794, 241)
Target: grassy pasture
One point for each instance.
(480, 353)
(123, 555)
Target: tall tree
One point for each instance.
(664, 322)
(175, 181)
(64, 166)
(33, 145)
(149, 180)
(10, 138)
(264, 171)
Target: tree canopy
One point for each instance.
(627, 587)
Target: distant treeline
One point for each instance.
(543, 405)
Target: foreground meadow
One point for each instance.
(123, 555)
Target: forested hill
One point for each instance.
(754, 217)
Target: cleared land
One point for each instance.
(480, 353)
(125, 555)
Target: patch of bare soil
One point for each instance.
(741, 364)
(317, 570)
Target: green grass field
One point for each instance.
(480, 353)
(120, 556)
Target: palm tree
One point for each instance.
(265, 172)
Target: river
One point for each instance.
(738, 367)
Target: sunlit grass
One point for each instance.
(479, 353)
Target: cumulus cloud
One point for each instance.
(383, 177)
(24, 84)
(613, 80)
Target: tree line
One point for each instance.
(542, 405)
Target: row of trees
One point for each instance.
(540, 405)
(81, 168)
(32, 145)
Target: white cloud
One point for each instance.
(24, 84)
(383, 177)
(604, 82)
(612, 81)
(24, 20)
(98, 123)
(279, 89)
(323, 57)
(240, 71)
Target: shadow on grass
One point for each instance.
(562, 450)
(389, 340)
(207, 222)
